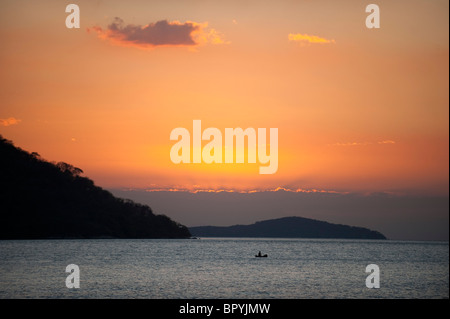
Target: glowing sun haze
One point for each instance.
(357, 110)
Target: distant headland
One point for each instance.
(288, 227)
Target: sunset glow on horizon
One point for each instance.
(357, 109)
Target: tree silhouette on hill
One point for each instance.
(41, 199)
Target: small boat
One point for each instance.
(259, 255)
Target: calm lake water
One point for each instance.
(223, 268)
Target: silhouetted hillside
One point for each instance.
(288, 227)
(40, 199)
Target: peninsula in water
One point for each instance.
(41, 199)
(288, 227)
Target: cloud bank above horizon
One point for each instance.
(399, 217)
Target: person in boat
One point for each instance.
(259, 254)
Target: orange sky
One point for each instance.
(363, 110)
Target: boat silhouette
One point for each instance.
(259, 255)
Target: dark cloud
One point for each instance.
(161, 33)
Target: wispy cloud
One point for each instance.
(9, 121)
(351, 144)
(387, 142)
(309, 39)
(161, 33)
(363, 143)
